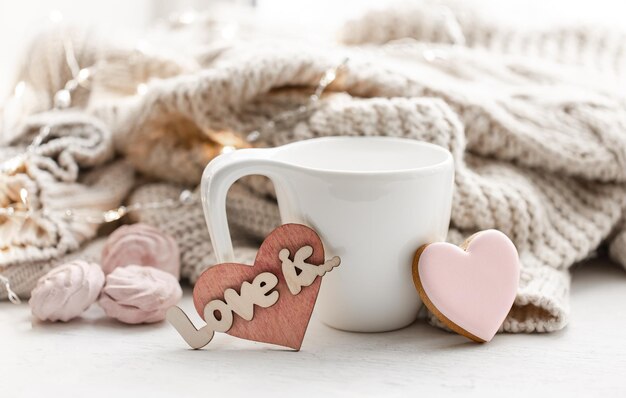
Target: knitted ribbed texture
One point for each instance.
(539, 149)
(23, 276)
(51, 179)
(525, 204)
(186, 224)
(592, 46)
(73, 168)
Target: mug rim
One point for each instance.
(431, 168)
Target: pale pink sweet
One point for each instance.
(137, 294)
(66, 291)
(141, 244)
(474, 288)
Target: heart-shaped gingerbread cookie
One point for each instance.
(470, 288)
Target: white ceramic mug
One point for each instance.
(373, 201)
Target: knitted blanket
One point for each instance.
(539, 146)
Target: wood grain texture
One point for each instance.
(429, 304)
(299, 273)
(196, 338)
(285, 322)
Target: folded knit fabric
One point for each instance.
(73, 167)
(50, 178)
(24, 275)
(547, 169)
(539, 149)
(449, 21)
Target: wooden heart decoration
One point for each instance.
(471, 288)
(270, 301)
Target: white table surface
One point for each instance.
(101, 358)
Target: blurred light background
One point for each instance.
(20, 20)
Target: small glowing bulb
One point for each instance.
(185, 197)
(114, 215)
(253, 136)
(24, 196)
(12, 165)
(83, 75)
(142, 88)
(328, 77)
(229, 31)
(187, 17)
(227, 149)
(143, 46)
(56, 16)
(62, 99)
(20, 87)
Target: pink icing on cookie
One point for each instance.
(474, 288)
(141, 244)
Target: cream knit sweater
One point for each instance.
(539, 147)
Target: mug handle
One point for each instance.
(217, 178)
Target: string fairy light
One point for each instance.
(186, 197)
(13, 297)
(329, 76)
(83, 77)
(453, 29)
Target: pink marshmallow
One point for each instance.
(66, 291)
(137, 294)
(141, 244)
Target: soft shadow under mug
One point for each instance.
(372, 200)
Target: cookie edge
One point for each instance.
(429, 304)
